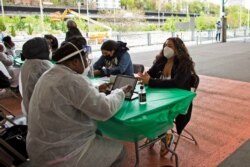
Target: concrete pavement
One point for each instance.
(230, 60)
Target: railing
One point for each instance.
(153, 38)
(157, 37)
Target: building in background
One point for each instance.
(26, 2)
(108, 4)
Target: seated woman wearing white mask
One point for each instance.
(172, 69)
(63, 110)
(35, 53)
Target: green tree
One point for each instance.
(128, 4)
(196, 7)
(170, 24)
(205, 22)
(150, 5)
(63, 27)
(214, 9)
(168, 7)
(30, 30)
(13, 31)
(233, 15)
(150, 27)
(139, 4)
(2, 25)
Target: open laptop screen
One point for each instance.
(123, 80)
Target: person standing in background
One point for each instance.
(72, 30)
(218, 31)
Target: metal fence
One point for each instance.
(153, 38)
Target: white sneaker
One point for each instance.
(166, 142)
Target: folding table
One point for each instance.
(134, 122)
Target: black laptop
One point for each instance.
(123, 80)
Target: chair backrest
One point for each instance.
(138, 68)
(194, 82)
(18, 52)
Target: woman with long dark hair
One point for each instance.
(172, 68)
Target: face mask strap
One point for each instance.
(72, 54)
(79, 53)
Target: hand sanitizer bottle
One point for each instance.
(142, 95)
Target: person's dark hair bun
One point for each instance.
(67, 48)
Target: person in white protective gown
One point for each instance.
(8, 61)
(62, 113)
(35, 53)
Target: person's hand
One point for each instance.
(144, 77)
(105, 87)
(97, 72)
(126, 89)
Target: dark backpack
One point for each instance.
(15, 136)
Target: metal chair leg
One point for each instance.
(175, 146)
(137, 160)
(192, 137)
(176, 157)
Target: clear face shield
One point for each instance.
(88, 53)
(86, 49)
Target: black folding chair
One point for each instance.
(138, 68)
(194, 83)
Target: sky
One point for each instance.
(245, 3)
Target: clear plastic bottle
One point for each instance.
(142, 95)
(91, 68)
(91, 71)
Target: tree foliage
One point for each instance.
(2, 25)
(196, 7)
(133, 18)
(204, 22)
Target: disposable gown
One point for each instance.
(8, 61)
(63, 110)
(31, 71)
(36, 54)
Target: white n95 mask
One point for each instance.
(86, 70)
(168, 52)
(50, 54)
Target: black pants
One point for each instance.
(217, 37)
(182, 120)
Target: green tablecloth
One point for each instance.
(134, 122)
(18, 61)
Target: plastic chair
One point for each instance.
(138, 68)
(194, 83)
